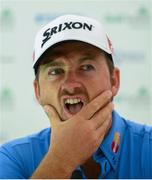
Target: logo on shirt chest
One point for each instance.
(116, 142)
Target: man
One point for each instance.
(75, 83)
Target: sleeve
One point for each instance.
(147, 155)
(9, 168)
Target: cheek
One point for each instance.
(48, 94)
(98, 84)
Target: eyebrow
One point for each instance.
(54, 63)
(87, 57)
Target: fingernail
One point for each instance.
(109, 94)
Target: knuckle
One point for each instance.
(89, 130)
(90, 127)
(95, 105)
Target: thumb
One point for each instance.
(52, 114)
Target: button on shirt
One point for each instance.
(126, 152)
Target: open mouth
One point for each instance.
(73, 106)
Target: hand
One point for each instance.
(75, 140)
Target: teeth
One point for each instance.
(72, 101)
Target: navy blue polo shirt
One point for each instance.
(126, 152)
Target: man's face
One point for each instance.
(74, 74)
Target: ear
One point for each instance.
(37, 90)
(115, 81)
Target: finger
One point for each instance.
(103, 130)
(52, 114)
(102, 115)
(91, 108)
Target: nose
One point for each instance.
(72, 84)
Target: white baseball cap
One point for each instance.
(71, 27)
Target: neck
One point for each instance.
(91, 168)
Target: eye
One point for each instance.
(87, 67)
(55, 71)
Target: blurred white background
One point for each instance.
(129, 24)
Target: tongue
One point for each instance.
(74, 108)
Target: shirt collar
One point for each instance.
(112, 144)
